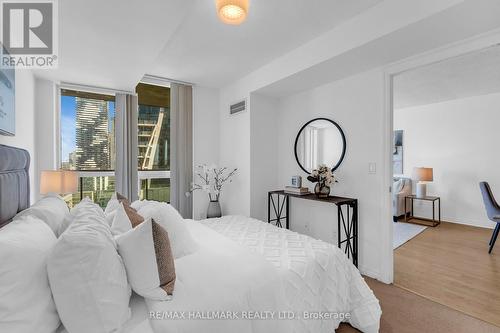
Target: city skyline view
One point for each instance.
(87, 128)
(68, 125)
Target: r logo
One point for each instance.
(28, 27)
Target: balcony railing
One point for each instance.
(99, 186)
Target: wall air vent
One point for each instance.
(238, 107)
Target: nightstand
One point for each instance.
(411, 217)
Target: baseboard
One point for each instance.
(370, 273)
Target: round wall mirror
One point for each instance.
(320, 141)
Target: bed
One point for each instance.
(246, 276)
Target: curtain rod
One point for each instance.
(148, 78)
(101, 90)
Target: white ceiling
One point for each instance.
(111, 43)
(207, 52)
(470, 75)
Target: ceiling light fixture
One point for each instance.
(232, 11)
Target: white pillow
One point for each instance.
(87, 276)
(26, 303)
(112, 205)
(84, 207)
(50, 209)
(138, 204)
(148, 259)
(169, 218)
(121, 223)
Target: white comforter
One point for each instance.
(247, 269)
(317, 275)
(217, 286)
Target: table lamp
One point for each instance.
(422, 176)
(58, 182)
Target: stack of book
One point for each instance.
(297, 190)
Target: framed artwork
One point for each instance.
(397, 155)
(7, 100)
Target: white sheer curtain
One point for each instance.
(126, 114)
(181, 148)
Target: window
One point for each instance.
(88, 143)
(153, 142)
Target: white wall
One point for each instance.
(356, 104)
(264, 135)
(234, 145)
(25, 122)
(459, 139)
(250, 139)
(205, 138)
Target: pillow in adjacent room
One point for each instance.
(87, 276)
(51, 209)
(169, 218)
(148, 260)
(26, 303)
(398, 186)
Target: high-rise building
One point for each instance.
(92, 146)
(112, 144)
(153, 125)
(72, 160)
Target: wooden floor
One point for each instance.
(450, 264)
(406, 312)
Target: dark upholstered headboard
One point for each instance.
(14, 182)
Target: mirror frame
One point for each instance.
(336, 166)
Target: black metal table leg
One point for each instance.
(339, 230)
(278, 207)
(406, 210)
(355, 233)
(433, 213)
(287, 212)
(269, 207)
(348, 223)
(439, 211)
(412, 214)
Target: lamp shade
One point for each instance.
(232, 11)
(58, 181)
(423, 174)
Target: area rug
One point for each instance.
(403, 232)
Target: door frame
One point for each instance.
(476, 43)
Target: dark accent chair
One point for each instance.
(492, 210)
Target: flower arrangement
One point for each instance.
(324, 177)
(212, 180)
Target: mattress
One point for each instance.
(138, 323)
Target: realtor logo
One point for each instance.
(29, 33)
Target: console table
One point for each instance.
(347, 217)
